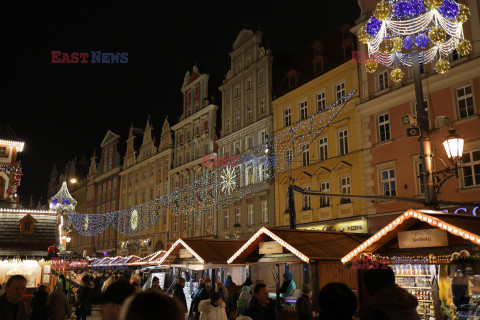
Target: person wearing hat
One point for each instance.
(112, 299)
(213, 308)
(304, 306)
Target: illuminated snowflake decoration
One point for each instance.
(134, 220)
(228, 179)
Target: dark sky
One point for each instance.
(65, 110)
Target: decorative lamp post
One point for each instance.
(62, 203)
(407, 33)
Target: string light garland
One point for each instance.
(62, 202)
(433, 27)
(201, 197)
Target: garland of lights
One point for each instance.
(9, 168)
(399, 28)
(221, 186)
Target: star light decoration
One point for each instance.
(397, 27)
(63, 202)
(200, 197)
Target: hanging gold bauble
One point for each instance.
(464, 47)
(386, 46)
(442, 66)
(437, 35)
(363, 35)
(433, 4)
(396, 75)
(463, 13)
(383, 11)
(371, 65)
(397, 44)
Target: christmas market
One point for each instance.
(312, 257)
(434, 255)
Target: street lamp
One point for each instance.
(73, 180)
(454, 147)
(408, 33)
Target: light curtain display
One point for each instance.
(222, 185)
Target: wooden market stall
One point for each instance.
(151, 259)
(198, 258)
(311, 256)
(434, 255)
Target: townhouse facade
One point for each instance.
(316, 148)
(194, 144)
(144, 177)
(392, 160)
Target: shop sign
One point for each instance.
(78, 264)
(356, 226)
(422, 238)
(462, 210)
(270, 247)
(184, 253)
(60, 264)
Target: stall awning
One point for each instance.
(305, 244)
(150, 259)
(206, 251)
(463, 226)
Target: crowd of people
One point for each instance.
(122, 296)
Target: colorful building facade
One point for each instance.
(10, 168)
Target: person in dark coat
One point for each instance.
(38, 304)
(337, 302)
(229, 281)
(84, 295)
(304, 307)
(58, 306)
(388, 300)
(179, 294)
(12, 306)
(202, 293)
(261, 307)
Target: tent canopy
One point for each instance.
(306, 245)
(461, 229)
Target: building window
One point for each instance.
(306, 200)
(465, 102)
(454, 56)
(289, 155)
(237, 216)
(236, 146)
(382, 80)
(250, 143)
(287, 117)
(166, 164)
(263, 137)
(264, 211)
(175, 224)
(471, 168)
(321, 103)
(342, 142)
(248, 84)
(383, 127)
(324, 187)
(306, 155)
(340, 90)
(185, 223)
(250, 214)
(3, 151)
(261, 77)
(151, 193)
(303, 110)
(210, 218)
(262, 106)
(345, 188)
(387, 181)
(197, 222)
(418, 175)
(237, 91)
(323, 148)
(227, 124)
(249, 112)
(237, 119)
(226, 222)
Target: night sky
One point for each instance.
(63, 111)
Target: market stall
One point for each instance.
(196, 258)
(435, 256)
(151, 259)
(311, 256)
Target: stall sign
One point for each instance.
(269, 247)
(184, 253)
(78, 264)
(422, 238)
(60, 264)
(356, 226)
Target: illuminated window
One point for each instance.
(306, 200)
(387, 182)
(471, 168)
(465, 102)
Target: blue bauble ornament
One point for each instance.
(422, 40)
(403, 9)
(449, 9)
(373, 26)
(408, 42)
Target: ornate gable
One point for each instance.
(242, 37)
(27, 224)
(166, 138)
(148, 144)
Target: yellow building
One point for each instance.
(329, 159)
